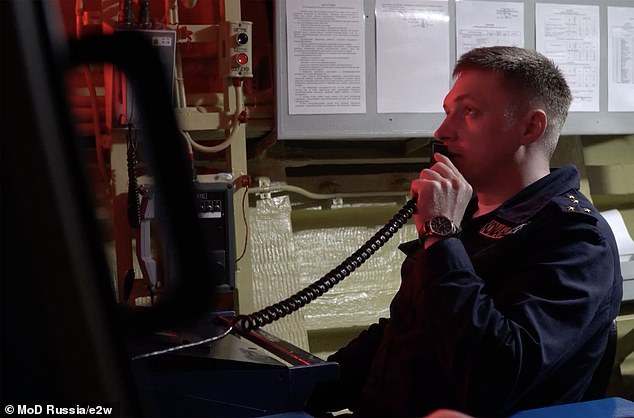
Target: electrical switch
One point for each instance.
(236, 49)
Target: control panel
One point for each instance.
(209, 206)
(236, 49)
(215, 210)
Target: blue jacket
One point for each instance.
(513, 314)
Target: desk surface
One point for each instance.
(603, 408)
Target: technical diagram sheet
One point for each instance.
(620, 59)
(569, 35)
(488, 23)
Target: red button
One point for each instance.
(241, 59)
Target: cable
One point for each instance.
(134, 206)
(181, 102)
(317, 196)
(145, 18)
(171, 12)
(184, 346)
(246, 224)
(179, 95)
(279, 310)
(126, 16)
(233, 130)
(308, 294)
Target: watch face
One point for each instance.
(440, 225)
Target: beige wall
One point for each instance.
(606, 164)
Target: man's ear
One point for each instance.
(534, 127)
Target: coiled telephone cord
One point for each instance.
(270, 314)
(279, 310)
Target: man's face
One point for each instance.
(481, 135)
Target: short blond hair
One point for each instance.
(532, 75)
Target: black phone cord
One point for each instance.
(279, 310)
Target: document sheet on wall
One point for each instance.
(569, 35)
(488, 23)
(326, 56)
(620, 59)
(412, 55)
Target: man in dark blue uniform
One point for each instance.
(507, 297)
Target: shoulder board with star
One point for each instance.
(573, 202)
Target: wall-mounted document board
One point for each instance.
(380, 68)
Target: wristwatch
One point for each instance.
(439, 226)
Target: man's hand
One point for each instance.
(440, 191)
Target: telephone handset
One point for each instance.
(440, 148)
(308, 294)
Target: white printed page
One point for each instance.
(569, 35)
(488, 23)
(326, 56)
(412, 55)
(620, 59)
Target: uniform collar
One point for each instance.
(410, 247)
(525, 204)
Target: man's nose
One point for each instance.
(443, 131)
